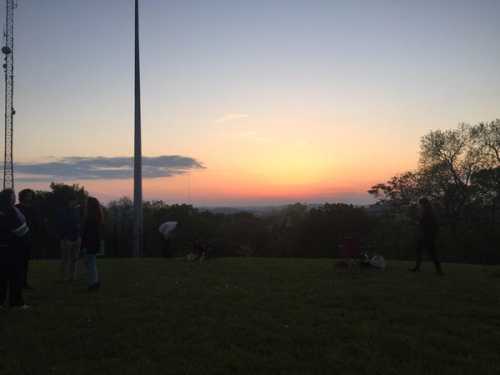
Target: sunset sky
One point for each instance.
(266, 102)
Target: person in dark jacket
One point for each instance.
(427, 233)
(13, 230)
(25, 205)
(69, 227)
(91, 240)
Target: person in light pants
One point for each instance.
(68, 226)
(91, 240)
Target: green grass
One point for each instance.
(276, 316)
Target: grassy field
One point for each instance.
(249, 316)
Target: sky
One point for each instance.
(246, 102)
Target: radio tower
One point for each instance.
(8, 66)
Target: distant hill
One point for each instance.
(374, 209)
(256, 210)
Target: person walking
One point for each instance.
(27, 208)
(427, 234)
(91, 240)
(13, 231)
(69, 226)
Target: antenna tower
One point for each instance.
(8, 66)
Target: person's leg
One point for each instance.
(420, 245)
(96, 273)
(432, 251)
(77, 267)
(93, 278)
(61, 266)
(166, 248)
(74, 251)
(27, 256)
(16, 283)
(3, 283)
(81, 263)
(64, 259)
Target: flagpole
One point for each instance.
(138, 209)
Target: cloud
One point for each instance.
(231, 117)
(105, 168)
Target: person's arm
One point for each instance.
(19, 227)
(78, 221)
(61, 222)
(84, 228)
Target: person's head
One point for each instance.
(26, 197)
(7, 198)
(93, 209)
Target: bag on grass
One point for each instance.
(377, 261)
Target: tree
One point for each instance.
(452, 170)
(399, 191)
(449, 159)
(488, 134)
(487, 180)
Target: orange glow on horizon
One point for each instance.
(283, 159)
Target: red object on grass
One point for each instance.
(350, 248)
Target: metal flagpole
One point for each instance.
(138, 209)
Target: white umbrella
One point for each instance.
(166, 228)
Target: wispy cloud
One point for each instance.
(253, 135)
(105, 168)
(228, 117)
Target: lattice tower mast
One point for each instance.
(8, 51)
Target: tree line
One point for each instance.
(459, 171)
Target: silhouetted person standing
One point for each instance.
(13, 230)
(69, 236)
(25, 205)
(427, 234)
(91, 240)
